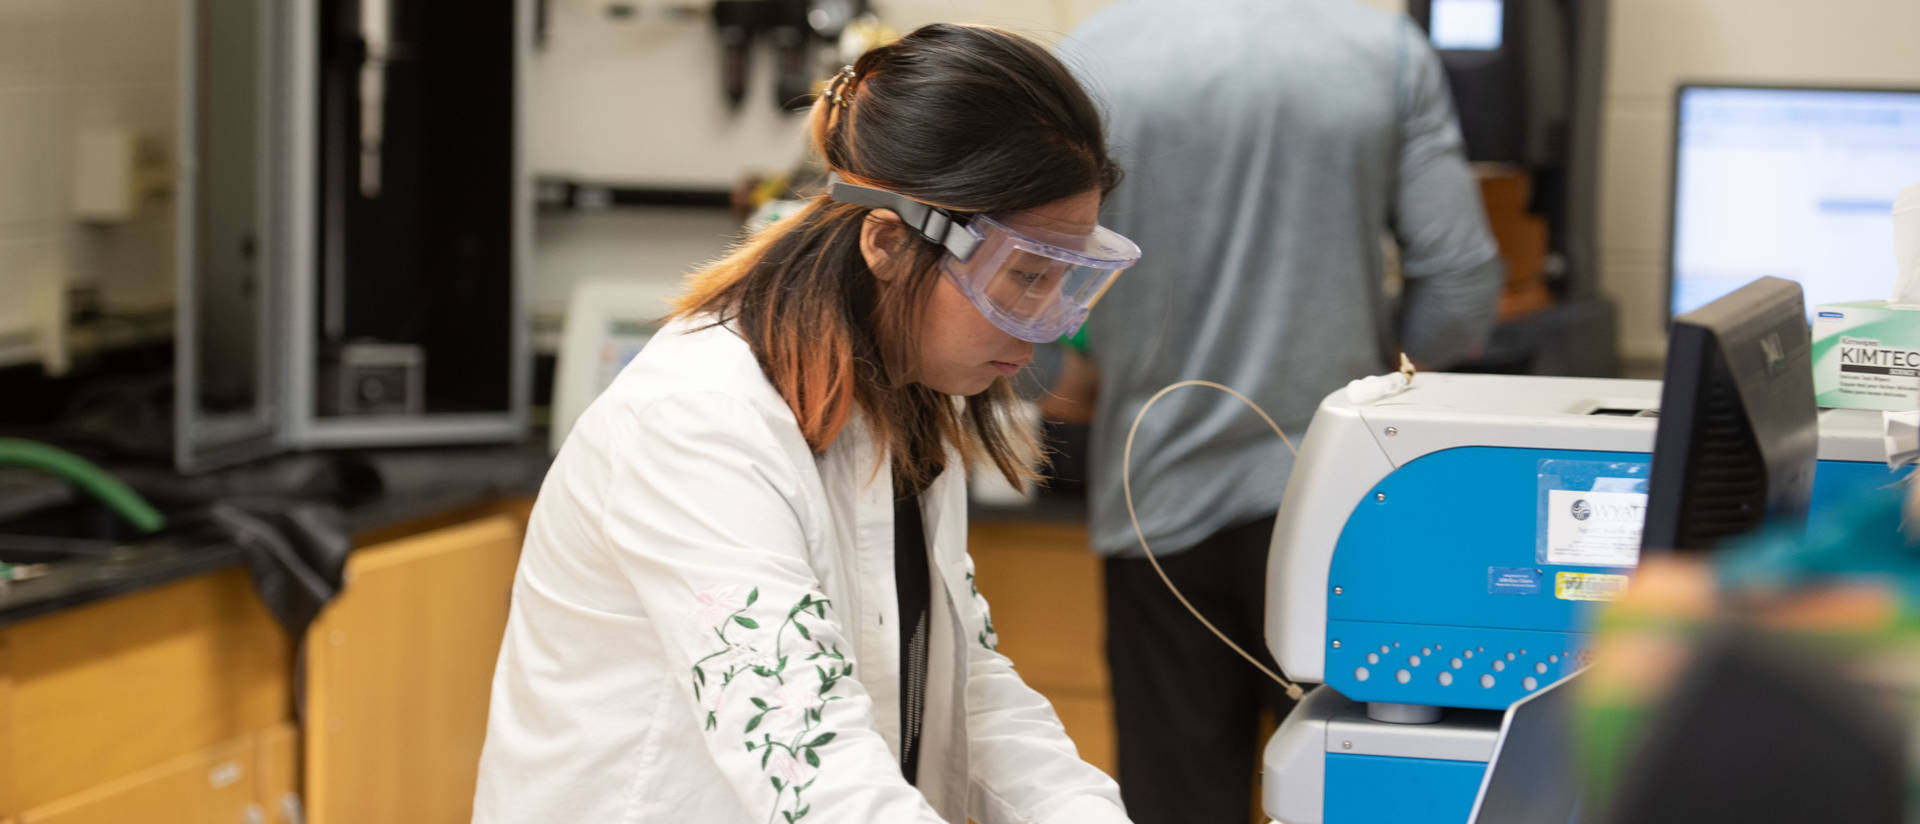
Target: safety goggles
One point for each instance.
(1036, 286)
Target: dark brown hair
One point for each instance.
(971, 119)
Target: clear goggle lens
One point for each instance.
(1038, 290)
(1033, 284)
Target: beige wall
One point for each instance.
(1655, 44)
(639, 103)
(1658, 43)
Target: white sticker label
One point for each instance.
(1594, 528)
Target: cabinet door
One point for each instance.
(276, 777)
(215, 786)
(399, 670)
(114, 689)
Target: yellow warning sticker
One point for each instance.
(1588, 586)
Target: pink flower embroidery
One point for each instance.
(783, 727)
(714, 605)
(792, 700)
(791, 770)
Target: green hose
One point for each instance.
(82, 473)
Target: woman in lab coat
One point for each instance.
(732, 605)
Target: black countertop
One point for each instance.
(415, 484)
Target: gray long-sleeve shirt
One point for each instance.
(1268, 145)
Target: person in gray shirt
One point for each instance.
(1271, 145)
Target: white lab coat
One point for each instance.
(704, 629)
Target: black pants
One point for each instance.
(1186, 708)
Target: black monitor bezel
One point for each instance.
(1717, 337)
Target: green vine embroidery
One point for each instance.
(786, 712)
(987, 637)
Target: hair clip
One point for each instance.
(838, 89)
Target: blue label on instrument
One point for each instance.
(1513, 581)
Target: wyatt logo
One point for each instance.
(1582, 510)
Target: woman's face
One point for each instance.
(961, 352)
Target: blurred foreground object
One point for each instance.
(1777, 683)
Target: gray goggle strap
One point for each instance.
(944, 228)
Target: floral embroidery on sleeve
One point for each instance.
(787, 707)
(987, 637)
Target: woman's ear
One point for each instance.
(882, 237)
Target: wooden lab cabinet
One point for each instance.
(175, 704)
(154, 701)
(398, 675)
(245, 781)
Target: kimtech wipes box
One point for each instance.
(1866, 355)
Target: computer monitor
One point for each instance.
(1795, 183)
(1738, 433)
(1508, 70)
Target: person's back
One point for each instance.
(1270, 147)
(1265, 158)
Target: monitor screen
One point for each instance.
(1792, 183)
(1466, 25)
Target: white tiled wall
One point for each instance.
(66, 65)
